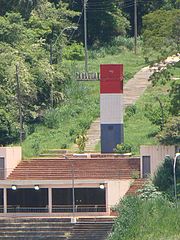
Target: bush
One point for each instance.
(123, 148)
(163, 178)
(171, 132)
(174, 96)
(8, 129)
(81, 142)
(149, 191)
(124, 42)
(146, 220)
(75, 51)
(157, 109)
(130, 111)
(51, 118)
(161, 77)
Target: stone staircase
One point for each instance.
(136, 86)
(93, 135)
(54, 228)
(91, 231)
(35, 228)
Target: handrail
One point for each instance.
(57, 208)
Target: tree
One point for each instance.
(163, 178)
(157, 110)
(171, 132)
(144, 8)
(8, 132)
(26, 42)
(159, 31)
(174, 96)
(104, 20)
(23, 6)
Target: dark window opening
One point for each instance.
(146, 165)
(27, 200)
(1, 200)
(86, 200)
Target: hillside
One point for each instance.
(41, 48)
(74, 117)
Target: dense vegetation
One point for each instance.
(164, 177)
(41, 49)
(148, 216)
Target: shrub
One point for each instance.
(36, 147)
(149, 191)
(146, 219)
(75, 51)
(161, 77)
(157, 110)
(81, 141)
(174, 96)
(171, 132)
(123, 148)
(51, 119)
(163, 178)
(124, 42)
(63, 146)
(84, 123)
(130, 111)
(8, 129)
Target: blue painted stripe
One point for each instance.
(111, 135)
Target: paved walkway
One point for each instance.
(133, 89)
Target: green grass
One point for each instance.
(132, 63)
(63, 124)
(147, 220)
(176, 70)
(139, 131)
(85, 103)
(138, 128)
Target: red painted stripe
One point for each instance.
(111, 71)
(111, 76)
(111, 87)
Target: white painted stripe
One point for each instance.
(111, 108)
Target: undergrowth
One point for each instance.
(149, 219)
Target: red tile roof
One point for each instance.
(137, 184)
(61, 169)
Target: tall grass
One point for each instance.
(62, 124)
(155, 219)
(132, 63)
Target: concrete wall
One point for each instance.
(116, 190)
(157, 154)
(12, 156)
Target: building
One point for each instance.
(88, 184)
(152, 156)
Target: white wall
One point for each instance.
(12, 156)
(116, 190)
(157, 154)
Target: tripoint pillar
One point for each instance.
(111, 106)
